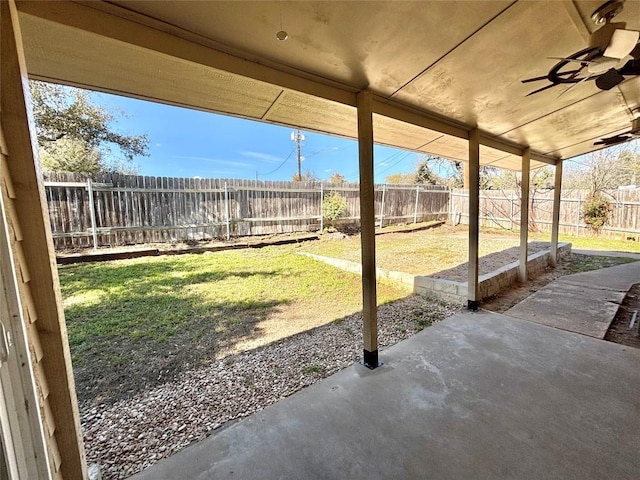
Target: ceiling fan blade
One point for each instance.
(541, 89)
(573, 85)
(622, 43)
(632, 67)
(534, 79)
(545, 77)
(609, 79)
(621, 137)
(570, 60)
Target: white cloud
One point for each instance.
(217, 161)
(327, 170)
(262, 156)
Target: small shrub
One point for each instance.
(596, 213)
(334, 207)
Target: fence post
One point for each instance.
(384, 191)
(92, 214)
(226, 209)
(321, 207)
(415, 208)
(511, 210)
(578, 219)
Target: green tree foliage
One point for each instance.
(74, 134)
(334, 207)
(426, 176)
(596, 212)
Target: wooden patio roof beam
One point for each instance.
(119, 24)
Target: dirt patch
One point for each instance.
(138, 431)
(620, 330)
(188, 245)
(573, 263)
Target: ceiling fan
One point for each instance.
(612, 54)
(622, 137)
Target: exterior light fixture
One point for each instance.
(281, 35)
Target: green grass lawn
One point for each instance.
(153, 316)
(423, 252)
(142, 321)
(594, 243)
(426, 252)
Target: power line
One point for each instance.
(394, 154)
(279, 166)
(400, 160)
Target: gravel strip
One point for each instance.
(132, 434)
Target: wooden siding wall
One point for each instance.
(136, 209)
(501, 209)
(40, 307)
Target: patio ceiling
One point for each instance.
(438, 69)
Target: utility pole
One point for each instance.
(298, 138)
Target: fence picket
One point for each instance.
(153, 209)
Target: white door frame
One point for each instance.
(21, 428)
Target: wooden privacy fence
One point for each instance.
(501, 209)
(113, 209)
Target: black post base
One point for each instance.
(473, 305)
(370, 359)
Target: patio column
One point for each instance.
(524, 215)
(30, 277)
(367, 229)
(473, 170)
(555, 219)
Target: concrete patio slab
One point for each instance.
(574, 308)
(607, 253)
(477, 396)
(584, 303)
(619, 278)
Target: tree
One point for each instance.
(449, 172)
(603, 170)
(307, 176)
(75, 134)
(502, 179)
(426, 176)
(334, 207)
(596, 212)
(400, 178)
(337, 178)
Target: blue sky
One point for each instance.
(190, 143)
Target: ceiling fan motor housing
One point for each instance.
(607, 11)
